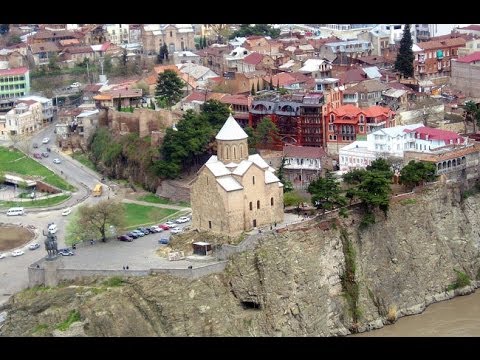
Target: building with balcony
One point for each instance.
(14, 83)
(24, 118)
(365, 93)
(304, 164)
(48, 110)
(433, 58)
(43, 52)
(349, 123)
(343, 52)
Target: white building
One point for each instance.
(25, 118)
(182, 57)
(118, 33)
(47, 106)
(386, 142)
(234, 57)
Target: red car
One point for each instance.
(164, 227)
(125, 238)
(37, 155)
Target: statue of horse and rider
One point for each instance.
(51, 246)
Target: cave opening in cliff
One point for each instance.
(247, 305)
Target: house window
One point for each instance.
(171, 35)
(271, 201)
(209, 224)
(332, 118)
(253, 180)
(258, 204)
(251, 206)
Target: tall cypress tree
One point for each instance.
(405, 57)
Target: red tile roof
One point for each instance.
(44, 47)
(353, 76)
(310, 152)
(15, 71)
(283, 79)
(79, 50)
(235, 99)
(435, 44)
(349, 110)
(200, 96)
(471, 27)
(436, 134)
(375, 111)
(92, 88)
(470, 58)
(253, 58)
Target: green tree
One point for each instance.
(252, 91)
(215, 113)
(374, 191)
(53, 62)
(13, 40)
(204, 42)
(107, 64)
(246, 30)
(354, 176)
(417, 172)
(95, 220)
(294, 198)
(169, 87)
(405, 57)
(258, 85)
(252, 141)
(266, 132)
(472, 114)
(287, 184)
(278, 84)
(326, 193)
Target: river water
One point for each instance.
(459, 316)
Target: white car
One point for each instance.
(18, 252)
(66, 212)
(2, 256)
(182, 220)
(34, 246)
(57, 161)
(175, 230)
(45, 140)
(170, 223)
(75, 85)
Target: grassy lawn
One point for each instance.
(83, 159)
(36, 203)
(15, 161)
(137, 215)
(152, 198)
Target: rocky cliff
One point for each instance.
(321, 281)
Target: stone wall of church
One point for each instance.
(228, 151)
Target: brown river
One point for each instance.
(459, 316)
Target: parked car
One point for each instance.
(34, 246)
(57, 161)
(75, 85)
(45, 140)
(17, 252)
(175, 230)
(164, 226)
(35, 145)
(125, 238)
(138, 232)
(182, 220)
(164, 241)
(66, 212)
(66, 252)
(132, 235)
(155, 229)
(170, 223)
(37, 155)
(45, 154)
(2, 256)
(144, 230)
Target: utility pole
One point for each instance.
(88, 74)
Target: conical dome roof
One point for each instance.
(231, 131)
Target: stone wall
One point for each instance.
(174, 190)
(466, 77)
(142, 121)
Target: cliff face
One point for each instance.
(290, 285)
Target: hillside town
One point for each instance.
(208, 139)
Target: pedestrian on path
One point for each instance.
(123, 267)
(127, 267)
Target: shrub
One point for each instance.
(462, 281)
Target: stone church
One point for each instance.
(235, 192)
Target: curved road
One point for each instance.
(13, 271)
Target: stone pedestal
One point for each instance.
(51, 266)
